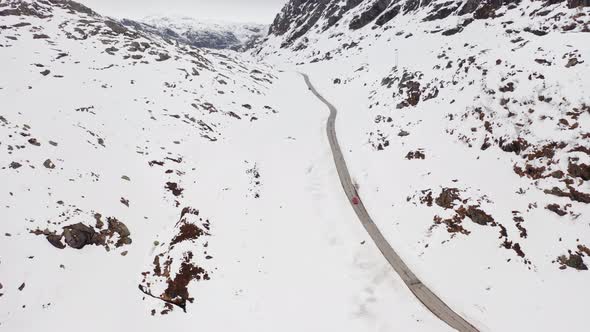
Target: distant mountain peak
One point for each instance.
(202, 33)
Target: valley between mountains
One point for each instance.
(155, 179)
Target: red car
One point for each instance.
(355, 200)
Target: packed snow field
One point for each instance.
(161, 186)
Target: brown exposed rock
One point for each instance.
(478, 216)
(179, 267)
(163, 57)
(418, 154)
(486, 9)
(189, 231)
(119, 228)
(581, 171)
(34, 141)
(427, 199)
(116, 27)
(452, 31)
(572, 62)
(518, 220)
(582, 149)
(174, 188)
(509, 87)
(531, 171)
(55, 241)
(578, 3)
(412, 90)
(369, 15)
(453, 224)
(546, 151)
(516, 146)
(447, 197)
(518, 250)
(124, 201)
(79, 235)
(388, 15)
(557, 209)
(574, 261)
(583, 249)
(49, 164)
(177, 290)
(99, 223)
(557, 174)
(573, 194)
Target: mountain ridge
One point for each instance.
(198, 33)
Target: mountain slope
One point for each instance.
(97, 108)
(465, 125)
(151, 186)
(301, 19)
(235, 36)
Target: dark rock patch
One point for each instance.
(15, 165)
(369, 15)
(556, 208)
(49, 164)
(478, 216)
(581, 171)
(574, 261)
(418, 154)
(447, 197)
(174, 188)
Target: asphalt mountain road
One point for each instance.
(421, 291)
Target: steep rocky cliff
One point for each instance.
(301, 17)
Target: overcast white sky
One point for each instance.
(258, 11)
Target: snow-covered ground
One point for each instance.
(153, 186)
(421, 112)
(188, 178)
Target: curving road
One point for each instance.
(421, 291)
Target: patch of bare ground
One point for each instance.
(79, 235)
(449, 199)
(169, 281)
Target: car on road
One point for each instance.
(356, 200)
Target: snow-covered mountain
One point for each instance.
(149, 184)
(207, 34)
(152, 186)
(467, 127)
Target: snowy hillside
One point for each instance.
(467, 127)
(149, 186)
(215, 35)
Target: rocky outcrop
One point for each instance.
(388, 15)
(578, 3)
(299, 17)
(369, 15)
